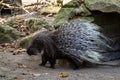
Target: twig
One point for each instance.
(1, 1)
(24, 9)
(7, 5)
(32, 4)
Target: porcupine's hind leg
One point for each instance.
(75, 62)
(52, 61)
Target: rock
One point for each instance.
(66, 12)
(66, 1)
(103, 5)
(32, 21)
(71, 3)
(35, 24)
(15, 20)
(50, 10)
(8, 34)
(105, 13)
(84, 11)
(63, 16)
(69, 10)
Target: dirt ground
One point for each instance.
(24, 67)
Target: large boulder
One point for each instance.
(69, 10)
(35, 24)
(63, 16)
(103, 5)
(105, 13)
(32, 21)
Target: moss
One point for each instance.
(8, 34)
(87, 19)
(63, 16)
(66, 12)
(35, 24)
(11, 22)
(5, 38)
(24, 42)
(88, 2)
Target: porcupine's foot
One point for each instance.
(52, 62)
(75, 63)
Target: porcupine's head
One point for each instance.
(41, 43)
(33, 47)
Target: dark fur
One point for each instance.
(51, 52)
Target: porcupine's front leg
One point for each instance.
(44, 60)
(51, 60)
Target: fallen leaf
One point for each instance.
(46, 73)
(63, 75)
(19, 78)
(19, 51)
(21, 65)
(82, 1)
(26, 73)
(7, 45)
(27, 33)
(33, 74)
(36, 74)
(17, 17)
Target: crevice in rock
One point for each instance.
(110, 23)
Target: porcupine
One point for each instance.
(75, 41)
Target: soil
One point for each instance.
(24, 67)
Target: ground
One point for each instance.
(23, 67)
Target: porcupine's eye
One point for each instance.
(32, 51)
